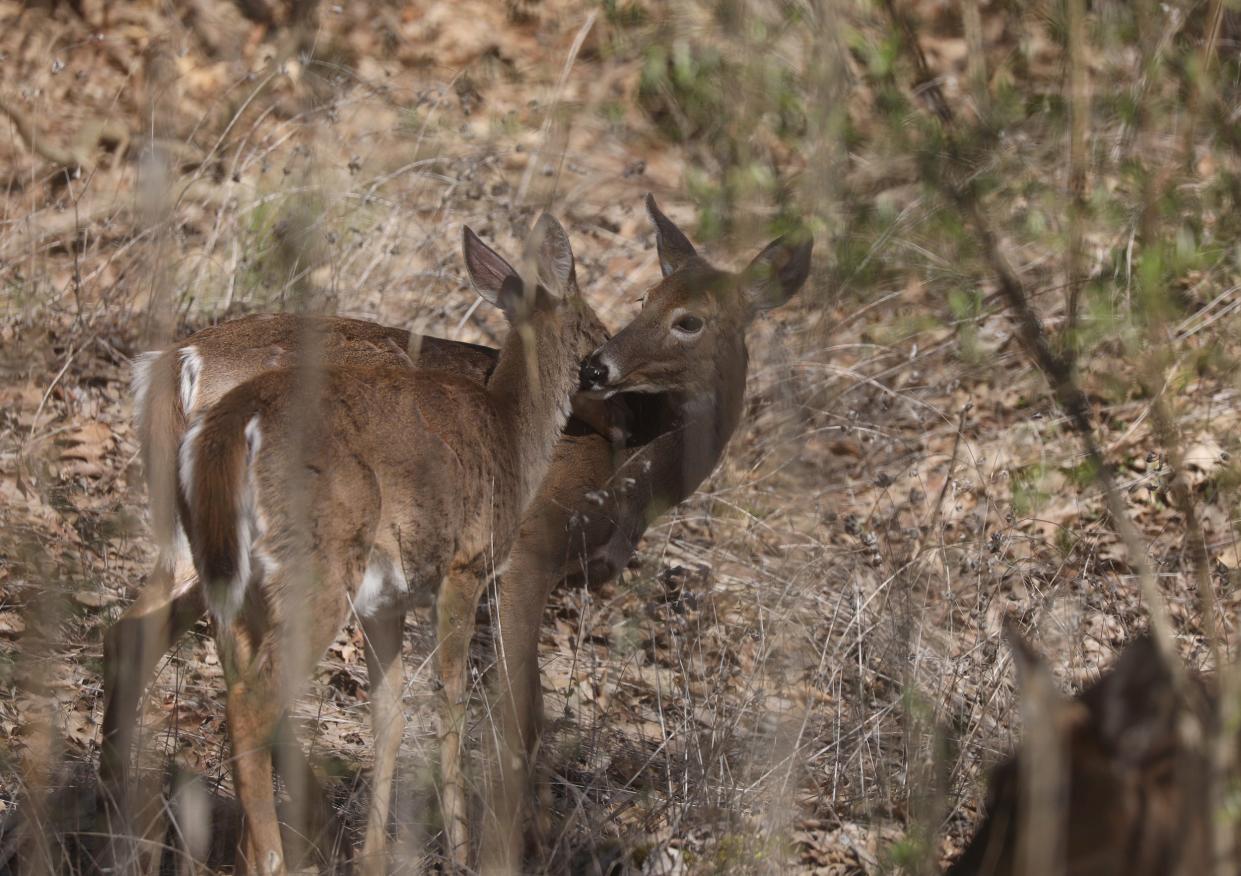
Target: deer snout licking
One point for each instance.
(594, 373)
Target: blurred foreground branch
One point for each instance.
(962, 193)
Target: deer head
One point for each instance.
(691, 329)
(549, 284)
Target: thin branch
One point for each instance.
(1055, 368)
(976, 60)
(1079, 119)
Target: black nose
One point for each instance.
(594, 374)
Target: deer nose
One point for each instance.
(594, 374)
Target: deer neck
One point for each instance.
(700, 425)
(531, 387)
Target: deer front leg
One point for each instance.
(383, 635)
(454, 622)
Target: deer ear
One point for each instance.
(553, 255)
(673, 246)
(487, 268)
(776, 273)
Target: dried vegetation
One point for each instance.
(802, 667)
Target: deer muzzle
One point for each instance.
(594, 373)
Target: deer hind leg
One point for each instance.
(454, 621)
(133, 646)
(319, 823)
(253, 708)
(266, 663)
(383, 634)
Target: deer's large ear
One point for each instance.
(776, 273)
(553, 256)
(673, 246)
(488, 270)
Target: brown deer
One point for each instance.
(375, 487)
(678, 371)
(1112, 781)
(171, 387)
(609, 494)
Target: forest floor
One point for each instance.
(803, 665)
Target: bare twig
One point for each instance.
(1059, 374)
(952, 463)
(1202, 93)
(545, 133)
(1079, 115)
(971, 18)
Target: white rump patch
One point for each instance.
(225, 602)
(186, 455)
(383, 585)
(140, 382)
(191, 370)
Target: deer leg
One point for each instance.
(315, 820)
(384, 635)
(132, 649)
(454, 620)
(319, 822)
(266, 661)
(253, 708)
(523, 596)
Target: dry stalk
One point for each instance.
(1079, 120)
(1042, 763)
(545, 134)
(1202, 95)
(971, 18)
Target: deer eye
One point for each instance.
(688, 324)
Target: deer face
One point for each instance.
(691, 329)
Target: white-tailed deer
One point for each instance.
(365, 488)
(594, 505)
(676, 375)
(1112, 782)
(172, 387)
